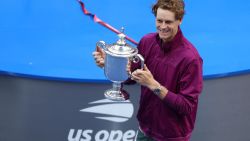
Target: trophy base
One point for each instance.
(114, 95)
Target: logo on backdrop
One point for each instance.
(107, 110)
(111, 110)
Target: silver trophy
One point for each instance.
(118, 55)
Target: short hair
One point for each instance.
(176, 6)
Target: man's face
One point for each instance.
(166, 24)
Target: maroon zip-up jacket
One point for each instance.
(177, 66)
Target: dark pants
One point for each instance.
(142, 137)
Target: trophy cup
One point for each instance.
(118, 55)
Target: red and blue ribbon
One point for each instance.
(97, 20)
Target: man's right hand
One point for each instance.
(99, 56)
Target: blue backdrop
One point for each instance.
(55, 40)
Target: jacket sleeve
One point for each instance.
(190, 85)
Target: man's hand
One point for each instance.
(99, 56)
(143, 76)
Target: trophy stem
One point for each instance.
(116, 93)
(117, 86)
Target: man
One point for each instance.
(171, 79)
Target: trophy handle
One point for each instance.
(101, 44)
(137, 58)
(142, 60)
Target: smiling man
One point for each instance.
(171, 80)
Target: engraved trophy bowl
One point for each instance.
(117, 57)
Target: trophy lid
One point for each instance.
(121, 47)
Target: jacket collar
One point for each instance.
(167, 46)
